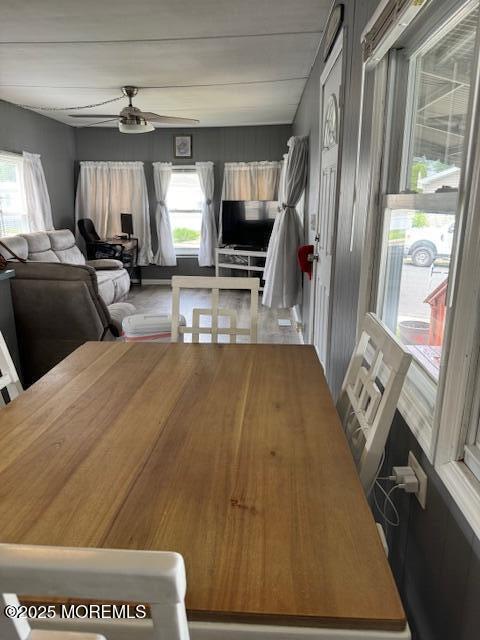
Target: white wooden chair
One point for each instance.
(9, 379)
(370, 394)
(215, 312)
(153, 577)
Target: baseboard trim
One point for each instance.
(164, 281)
(297, 322)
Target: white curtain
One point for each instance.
(283, 280)
(107, 189)
(37, 200)
(251, 180)
(165, 256)
(208, 236)
(281, 180)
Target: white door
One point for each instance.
(330, 87)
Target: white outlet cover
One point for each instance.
(422, 480)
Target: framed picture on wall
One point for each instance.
(182, 147)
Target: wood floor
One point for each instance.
(158, 299)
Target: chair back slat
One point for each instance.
(9, 379)
(156, 578)
(215, 311)
(370, 394)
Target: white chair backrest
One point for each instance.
(153, 577)
(8, 374)
(215, 311)
(370, 394)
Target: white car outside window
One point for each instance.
(424, 245)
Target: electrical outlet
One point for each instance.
(422, 480)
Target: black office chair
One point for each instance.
(97, 249)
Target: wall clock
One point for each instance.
(335, 21)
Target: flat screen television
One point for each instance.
(248, 224)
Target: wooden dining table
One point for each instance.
(232, 455)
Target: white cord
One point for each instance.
(375, 478)
(387, 501)
(359, 428)
(376, 483)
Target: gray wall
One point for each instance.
(434, 554)
(306, 123)
(346, 270)
(22, 130)
(218, 144)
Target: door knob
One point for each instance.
(313, 257)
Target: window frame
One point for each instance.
(419, 395)
(18, 159)
(459, 412)
(456, 419)
(390, 76)
(184, 251)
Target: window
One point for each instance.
(424, 224)
(184, 201)
(417, 130)
(13, 214)
(420, 219)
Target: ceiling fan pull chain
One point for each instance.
(86, 106)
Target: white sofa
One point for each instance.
(60, 246)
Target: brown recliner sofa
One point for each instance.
(57, 308)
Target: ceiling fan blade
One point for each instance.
(94, 124)
(154, 117)
(91, 115)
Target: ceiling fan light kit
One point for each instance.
(135, 127)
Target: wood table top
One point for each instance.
(232, 455)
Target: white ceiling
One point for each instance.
(224, 62)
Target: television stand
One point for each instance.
(249, 260)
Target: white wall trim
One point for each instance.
(335, 53)
(11, 154)
(332, 58)
(464, 488)
(297, 322)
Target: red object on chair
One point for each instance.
(302, 255)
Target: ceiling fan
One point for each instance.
(132, 119)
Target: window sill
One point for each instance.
(465, 491)
(417, 406)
